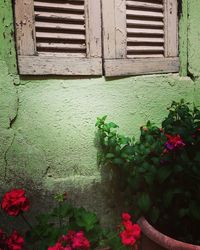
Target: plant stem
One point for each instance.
(29, 225)
(26, 221)
(60, 218)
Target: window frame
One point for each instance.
(31, 63)
(115, 61)
(106, 43)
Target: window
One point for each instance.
(63, 37)
(57, 37)
(140, 37)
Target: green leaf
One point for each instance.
(85, 219)
(154, 214)
(195, 210)
(118, 161)
(64, 210)
(112, 125)
(110, 156)
(144, 202)
(163, 174)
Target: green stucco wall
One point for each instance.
(47, 128)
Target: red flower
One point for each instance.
(57, 246)
(131, 233)
(72, 241)
(127, 239)
(174, 142)
(15, 241)
(15, 202)
(80, 242)
(126, 216)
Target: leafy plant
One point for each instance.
(161, 170)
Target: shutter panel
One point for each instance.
(149, 43)
(62, 33)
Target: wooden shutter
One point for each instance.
(140, 36)
(58, 37)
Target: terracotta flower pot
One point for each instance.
(154, 240)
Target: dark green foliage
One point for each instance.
(52, 225)
(162, 179)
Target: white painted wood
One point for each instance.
(145, 48)
(145, 31)
(49, 65)
(109, 28)
(145, 39)
(141, 13)
(123, 67)
(93, 28)
(120, 28)
(145, 55)
(144, 5)
(25, 31)
(58, 6)
(61, 45)
(147, 23)
(59, 16)
(60, 36)
(58, 26)
(171, 28)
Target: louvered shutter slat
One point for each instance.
(59, 6)
(145, 28)
(60, 27)
(148, 5)
(149, 23)
(58, 16)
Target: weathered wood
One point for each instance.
(109, 28)
(121, 67)
(58, 6)
(60, 36)
(56, 53)
(61, 45)
(25, 31)
(59, 26)
(144, 5)
(143, 55)
(49, 65)
(93, 28)
(120, 28)
(145, 48)
(145, 31)
(59, 16)
(145, 39)
(141, 13)
(148, 23)
(171, 28)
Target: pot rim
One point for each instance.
(162, 239)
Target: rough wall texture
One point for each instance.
(47, 125)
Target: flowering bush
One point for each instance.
(161, 171)
(78, 229)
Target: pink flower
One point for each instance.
(174, 142)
